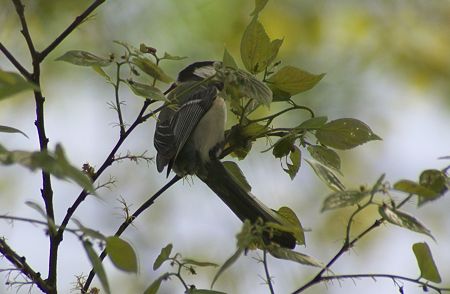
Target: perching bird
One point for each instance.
(189, 137)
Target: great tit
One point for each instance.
(188, 138)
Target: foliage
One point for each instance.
(260, 84)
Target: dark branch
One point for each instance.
(20, 263)
(129, 221)
(78, 20)
(25, 32)
(15, 62)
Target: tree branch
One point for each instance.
(15, 62)
(78, 20)
(20, 263)
(129, 221)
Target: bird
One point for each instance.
(190, 135)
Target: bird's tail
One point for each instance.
(241, 202)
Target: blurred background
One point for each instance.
(386, 63)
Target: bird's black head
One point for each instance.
(197, 71)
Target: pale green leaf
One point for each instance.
(121, 254)
(294, 166)
(6, 129)
(163, 256)
(83, 58)
(154, 287)
(341, 199)
(199, 263)
(427, 266)
(287, 254)
(12, 83)
(203, 291)
(227, 264)
(237, 174)
(256, 48)
(291, 218)
(434, 180)
(97, 265)
(403, 220)
(412, 187)
(313, 123)
(172, 57)
(89, 232)
(327, 176)
(345, 133)
(146, 91)
(292, 80)
(259, 5)
(326, 156)
(102, 73)
(37, 207)
(228, 60)
(152, 69)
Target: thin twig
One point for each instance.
(117, 106)
(15, 62)
(128, 221)
(20, 263)
(78, 20)
(266, 270)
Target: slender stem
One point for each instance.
(25, 32)
(116, 94)
(78, 20)
(129, 221)
(20, 263)
(424, 284)
(266, 270)
(15, 62)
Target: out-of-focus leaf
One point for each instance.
(228, 60)
(6, 129)
(275, 47)
(291, 218)
(146, 91)
(199, 263)
(345, 133)
(121, 254)
(287, 254)
(152, 69)
(41, 211)
(403, 220)
(293, 80)
(343, 199)
(256, 48)
(326, 156)
(327, 176)
(12, 83)
(412, 187)
(377, 186)
(203, 291)
(163, 256)
(102, 73)
(55, 164)
(237, 174)
(252, 130)
(173, 57)
(293, 167)
(83, 58)
(97, 265)
(283, 146)
(427, 266)
(313, 123)
(154, 287)
(229, 262)
(434, 180)
(259, 5)
(89, 232)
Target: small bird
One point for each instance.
(189, 137)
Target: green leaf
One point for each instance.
(97, 265)
(256, 48)
(152, 69)
(172, 57)
(341, 199)
(199, 263)
(345, 133)
(203, 291)
(237, 174)
(121, 254)
(378, 184)
(274, 48)
(51, 223)
(326, 175)
(12, 83)
(434, 180)
(154, 287)
(6, 129)
(102, 73)
(259, 5)
(287, 254)
(83, 58)
(55, 164)
(427, 266)
(403, 220)
(229, 262)
(326, 156)
(228, 60)
(294, 166)
(146, 91)
(252, 130)
(313, 123)
(292, 80)
(89, 232)
(283, 146)
(291, 218)
(412, 187)
(163, 256)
